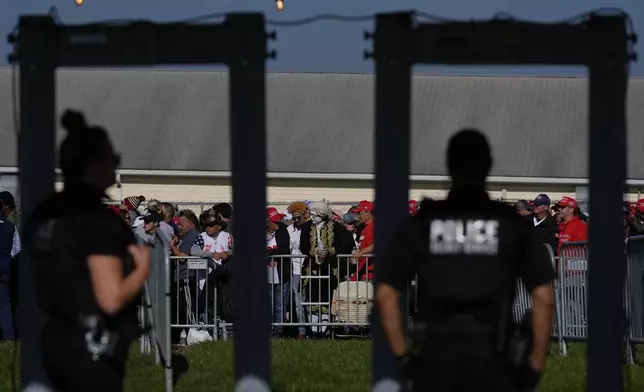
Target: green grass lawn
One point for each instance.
(335, 366)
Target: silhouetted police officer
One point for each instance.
(468, 252)
(89, 273)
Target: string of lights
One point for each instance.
(279, 5)
(419, 15)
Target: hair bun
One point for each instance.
(141, 198)
(73, 121)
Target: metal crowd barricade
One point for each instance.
(573, 275)
(320, 295)
(331, 297)
(194, 297)
(523, 303)
(285, 278)
(634, 293)
(155, 310)
(573, 271)
(327, 297)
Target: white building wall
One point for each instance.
(341, 193)
(200, 193)
(281, 193)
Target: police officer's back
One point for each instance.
(468, 252)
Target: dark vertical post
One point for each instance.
(607, 138)
(37, 53)
(247, 57)
(392, 53)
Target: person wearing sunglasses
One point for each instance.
(89, 272)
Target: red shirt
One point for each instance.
(366, 239)
(573, 230)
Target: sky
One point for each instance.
(330, 46)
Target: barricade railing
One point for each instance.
(572, 292)
(634, 293)
(634, 287)
(333, 295)
(572, 275)
(324, 295)
(194, 310)
(320, 295)
(523, 303)
(155, 308)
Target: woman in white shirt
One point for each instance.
(213, 244)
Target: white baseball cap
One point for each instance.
(138, 222)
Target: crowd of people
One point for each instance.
(311, 230)
(306, 240)
(563, 221)
(555, 223)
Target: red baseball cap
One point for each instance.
(567, 202)
(639, 206)
(413, 207)
(273, 215)
(363, 206)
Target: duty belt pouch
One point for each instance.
(519, 344)
(101, 341)
(418, 337)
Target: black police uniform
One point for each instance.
(62, 233)
(468, 252)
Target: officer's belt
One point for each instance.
(469, 319)
(460, 324)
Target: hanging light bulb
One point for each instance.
(278, 3)
(79, 2)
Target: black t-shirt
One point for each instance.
(546, 231)
(468, 252)
(63, 232)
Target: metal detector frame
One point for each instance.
(602, 44)
(240, 42)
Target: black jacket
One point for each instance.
(637, 225)
(343, 245)
(284, 265)
(546, 231)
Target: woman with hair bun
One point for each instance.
(89, 272)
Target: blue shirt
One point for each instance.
(184, 247)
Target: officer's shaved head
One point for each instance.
(468, 155)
